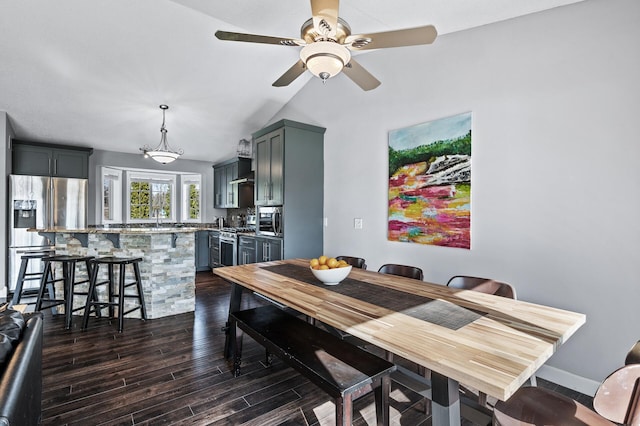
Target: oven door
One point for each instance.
(228, 252)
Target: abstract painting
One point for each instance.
(430, 183)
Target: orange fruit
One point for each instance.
(342, 263)
(323, 267)
(332, 263)
(314, 262)
(322, 259)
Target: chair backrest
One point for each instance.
(483, 285)
(402, 270)
(633, 357)
(618, 397)
(356, 262)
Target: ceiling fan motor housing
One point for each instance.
(325, 59)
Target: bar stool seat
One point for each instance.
(24, 275)
(68, 264)
(116, 291)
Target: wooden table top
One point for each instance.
(503, 345)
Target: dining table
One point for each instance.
(489, 343)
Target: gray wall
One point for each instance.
(555, 196)
(118, 159)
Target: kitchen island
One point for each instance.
(168, 260)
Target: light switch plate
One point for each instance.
(357, 223)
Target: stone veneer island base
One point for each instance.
(167, 269)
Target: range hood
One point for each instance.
(244, 179)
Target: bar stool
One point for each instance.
(68, 264)
(23, 276)
(116, 291)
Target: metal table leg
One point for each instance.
(445, 403)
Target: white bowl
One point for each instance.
(331, 276)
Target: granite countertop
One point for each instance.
(128, 230)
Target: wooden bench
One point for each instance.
(342, 370)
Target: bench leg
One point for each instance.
(268, 358)
(229, 329)
(237, 334)
(382, 401)
(344, 411)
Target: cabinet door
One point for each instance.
(277, 169)
(31, 160)
(70, 164)
(202, 250)
(263, 171)
(275, 249)
(268, 249)
(246, 250)
(219, 186)
(269, 169)
(232, 188)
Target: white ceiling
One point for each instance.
(93, 72)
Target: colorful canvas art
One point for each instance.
(430, 183)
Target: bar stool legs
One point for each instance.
(24, 275)
(116, 291)
(69, 282)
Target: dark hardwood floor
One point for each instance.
(172, 371)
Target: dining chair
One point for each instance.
(617, 400)
(483, 285)
(356, 262)
(402, 270)
(633, 357)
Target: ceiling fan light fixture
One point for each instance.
(162, 153)
(325, 59)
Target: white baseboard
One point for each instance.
(568, 380)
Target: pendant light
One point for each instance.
(163, 152)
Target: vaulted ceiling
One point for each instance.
(93, 72)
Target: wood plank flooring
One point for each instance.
(172, 371)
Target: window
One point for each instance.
(146, 196)
(111, 181)
(191, 198)
(151, 197)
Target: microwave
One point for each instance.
(269, 221)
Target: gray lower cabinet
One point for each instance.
(268, 249)
(202, 250)
(246, 249)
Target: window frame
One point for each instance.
(116, 195)
(171, 179)
(185, 206)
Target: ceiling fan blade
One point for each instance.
(360, 76)
(291, 74)
(397, 38)
(255, 38)
(325, 16)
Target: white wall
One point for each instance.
(555, 200)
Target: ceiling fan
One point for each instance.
(327, 43)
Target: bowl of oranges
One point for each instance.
(329, 270)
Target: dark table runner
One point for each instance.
(437, 312)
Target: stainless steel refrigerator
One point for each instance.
(41, 202)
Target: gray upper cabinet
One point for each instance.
(38, 159)
(228, 194)
(269, 169)
(290, 172)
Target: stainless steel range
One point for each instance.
(229, 244)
